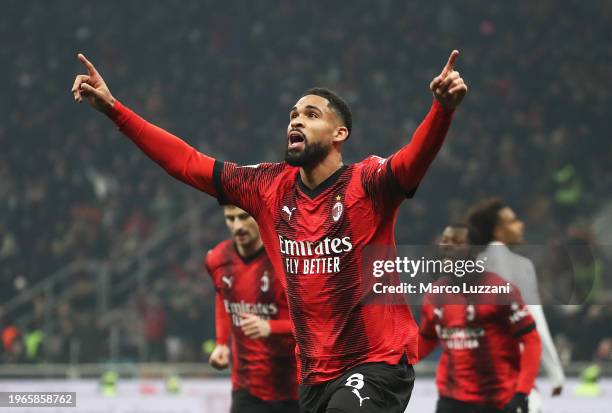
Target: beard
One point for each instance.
(312, 155)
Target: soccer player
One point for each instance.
(251, 307)
(482, 368)
(316, 215)
(499, 228)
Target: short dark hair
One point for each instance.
(485, 217)
(336, 103)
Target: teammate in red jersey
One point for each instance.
(251, 307)
(482, 368)
(316, 216)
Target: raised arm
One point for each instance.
(410, 163)
(173, 154)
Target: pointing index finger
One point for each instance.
(90, 67)
(450, 65)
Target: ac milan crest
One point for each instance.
(337, 211)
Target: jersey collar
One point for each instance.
(248, 259)
(313, 193)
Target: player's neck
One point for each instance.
(247, 251)
(312, 177)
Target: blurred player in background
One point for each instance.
(498, 228)
(482, 368)
(316, 215)
(251, 307)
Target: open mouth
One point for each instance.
(296, 140)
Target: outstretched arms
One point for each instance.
(173, 154)
(410, 163)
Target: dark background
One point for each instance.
(223, 75)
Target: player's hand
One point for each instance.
(448, 87)
(92, 87)
(518, 404)
(556, 391)
(219, 358)
(254, 327)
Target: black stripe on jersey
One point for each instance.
(524, 330)
(217, 170)
(395, 182)
(313, 193)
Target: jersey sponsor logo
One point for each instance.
(288, 211)
(460, 338)
(264, 311)
(309, 258)
(326, 246)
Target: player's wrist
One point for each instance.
(442, 108)
(266, 328)
(110, 104)
(115, 110)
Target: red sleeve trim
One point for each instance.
(280, 327)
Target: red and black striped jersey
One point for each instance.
(317, 238)
(480, 339)
(264, 367)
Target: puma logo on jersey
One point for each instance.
(361, 399)
(227, 280)
(289, 211)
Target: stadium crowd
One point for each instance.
(223, 76)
